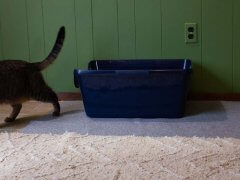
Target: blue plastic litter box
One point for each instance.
(134, 88)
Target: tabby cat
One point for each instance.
(21, 81)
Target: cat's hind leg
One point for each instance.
(16, 108)
(49, 96)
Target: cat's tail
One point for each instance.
(54, 52)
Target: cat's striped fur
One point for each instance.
(21, 81)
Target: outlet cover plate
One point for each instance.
(191, 35)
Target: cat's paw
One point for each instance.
(8, 120)
(56, 113)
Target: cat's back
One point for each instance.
(8, 65)
(14, 70)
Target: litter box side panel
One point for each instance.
(134, 95)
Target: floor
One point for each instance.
(203, 119)
(30, 111)
(74, 146)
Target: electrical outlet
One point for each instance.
(191, 33)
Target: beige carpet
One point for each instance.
(72, 156)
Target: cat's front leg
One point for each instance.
(16, 108)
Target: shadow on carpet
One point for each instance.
(203, 119)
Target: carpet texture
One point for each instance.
(74, 156)
(203, 145)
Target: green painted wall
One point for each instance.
(126, 29)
